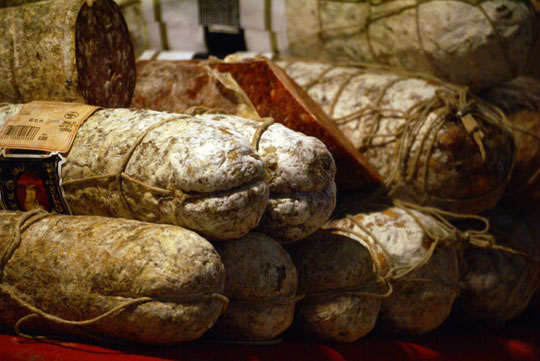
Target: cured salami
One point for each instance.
(520, 100)
(164, 168)
(415, 254)
(75, 51)
(261, 283)
(501, 279)
(342, 293)
(432, 142)
(301, 170)
(300, 176)
(111, 279)
(473, 43)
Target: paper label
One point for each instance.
(219, 12)
(45, 126)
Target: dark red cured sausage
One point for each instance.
(176, 86)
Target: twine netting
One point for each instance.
(415, 139)
(379, 11)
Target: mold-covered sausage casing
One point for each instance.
(472, 43)
(301, 174)
(76, 51)
(261, 283)
(401, 239)
(222, 175)
(431, 158)
(328, 263)
(79, 267)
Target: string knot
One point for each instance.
(463, 236)
(464, 110)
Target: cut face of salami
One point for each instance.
(105, 57)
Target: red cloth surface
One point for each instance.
(513, 342)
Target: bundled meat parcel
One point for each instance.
(467, 42)
(300, 168)
(376, 264)
(108, 279)
(66, 50)
(261, 283)
(501, 278)
(432, 142)
(163, 168)
(520, 100)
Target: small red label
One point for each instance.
(31, 182)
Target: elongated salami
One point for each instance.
(261, 284)
(415, 254)
(165, 282)
(164, 168)
(473, 43)
(77, 51)
(301, 169)
(432, 142)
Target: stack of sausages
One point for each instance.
(237, 199)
